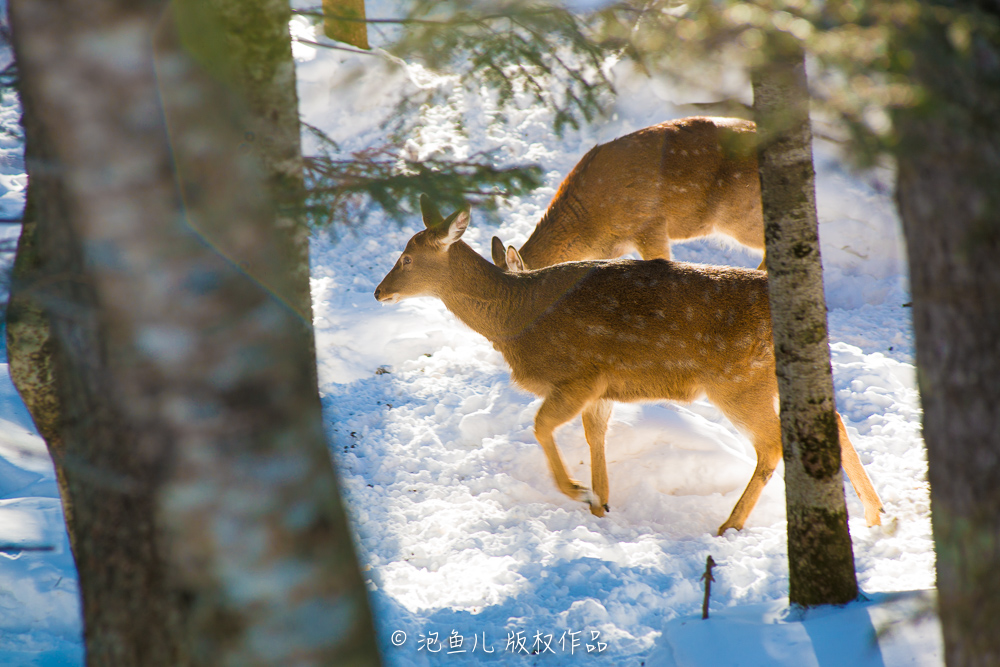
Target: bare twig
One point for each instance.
(708, 579)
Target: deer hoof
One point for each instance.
(726, 526)
(597, 510)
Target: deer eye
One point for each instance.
(407, 260)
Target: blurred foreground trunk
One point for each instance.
(948, 192)
(820, 559)
(207, 523)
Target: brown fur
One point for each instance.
(678, 180)
(584, 334)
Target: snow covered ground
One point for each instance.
(461, 531)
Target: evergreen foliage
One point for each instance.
(514, 51)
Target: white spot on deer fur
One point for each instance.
(738, 175)
(682, 344)
(720, 345)
(689, 312)
(697, 335)
(731, 318)
(718, 314)
(777, 406)
(684, 153)
(659, 313)
(718, 183)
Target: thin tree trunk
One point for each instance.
(344, 21)
(209, 530)
(948, 191)
(820, 559)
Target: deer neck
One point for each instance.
(484, 297)
(499, 305)
(556, 237)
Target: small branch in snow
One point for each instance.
(15, 548)
(708, 579)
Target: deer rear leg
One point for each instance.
(653, 243)
(561, 405)
(595, 426)
(754, 412)
(860, 480)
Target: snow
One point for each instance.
(458, 524)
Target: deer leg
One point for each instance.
(652, 242)
(859, 478)
(754, 412)
(561, 405)
(763, 264)
(595, 425)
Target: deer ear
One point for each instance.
(430, 212)
(499, 258)
(453, 227)
(514, 262)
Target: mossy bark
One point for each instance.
(820, 558)
(948, 191)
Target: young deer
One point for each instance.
(584, 334)
(678, 180)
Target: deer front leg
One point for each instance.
(561, 405)
(595, 425)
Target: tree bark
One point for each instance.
(820, 558)
(30, 343)
(209, 529)
(344, 21)
(948, 192)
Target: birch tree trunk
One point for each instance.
(948, 191)
(820, 559)
(208, 523)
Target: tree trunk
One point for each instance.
(820, 559)
(30, 344)
(948, 191)
(209, 529)
(344, 21)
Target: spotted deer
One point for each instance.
(584, 334)
(678, 180)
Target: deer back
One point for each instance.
(680, 179)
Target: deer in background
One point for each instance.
(584, 334)
(678, 180)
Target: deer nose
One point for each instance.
(378, 291)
